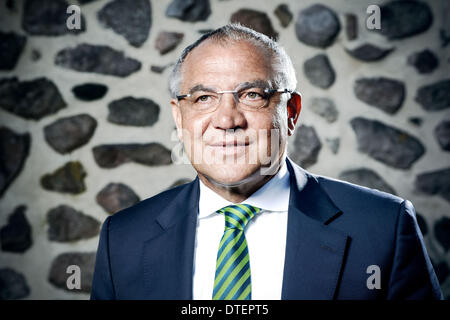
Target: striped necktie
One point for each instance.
(232, 280)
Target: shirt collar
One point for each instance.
(272, 196)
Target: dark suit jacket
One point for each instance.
(335, 231)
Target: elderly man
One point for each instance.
(253, 224)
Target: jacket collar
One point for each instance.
(315, 250)
(309, 197)
(185, 204)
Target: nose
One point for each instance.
(227, 114)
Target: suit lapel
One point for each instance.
(314, 250)
(168, 255)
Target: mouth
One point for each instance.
(224, 144)
(229, 148)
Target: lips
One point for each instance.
(229, 144)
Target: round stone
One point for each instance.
(317, 26)
(90, 91)
(319, 71)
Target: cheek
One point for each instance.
(193, 128)
(261, 126)
(264, 124)
(189, 122)
(271, 129)
(261, 120)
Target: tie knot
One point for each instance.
(237, 216)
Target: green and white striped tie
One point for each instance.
(233, 280)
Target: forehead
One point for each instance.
(225, 65)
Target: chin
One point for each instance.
(230, 174)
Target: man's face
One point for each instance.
(230, 144)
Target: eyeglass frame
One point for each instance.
(235, 92)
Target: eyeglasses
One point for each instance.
(206, 100)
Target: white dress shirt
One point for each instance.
(265, 235)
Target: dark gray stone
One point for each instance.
(159, 69)
(351, 26)
(35, 55)
(67, 134)
(417, 121)
(31, 99)
(14, 150)
(367, 178)
(114, 155)
(58, 271)
(66, 224)
(404, 18)
(203, 31)
(306, 146)
(256, 20)
(48, 18)
(11, 47)
(434, 183)
(369, 52)
(445, 38)
(189, 10)
(333, 144)
(444, 12)
(179, 182)
(97, 59)
(12, 285)
(442, 232)
(167, 41)
(129, 18)
(325, 108)
(442, 134)
(90, 91)
(116, 196)
(434, 97)
(67, 179)
(383, 93)
(319, 71)
(317, 26)
(424, 61)
(283, 14)
(422, 224)
(16, 235)
(389, 145)
(131, 111)
(11, 5)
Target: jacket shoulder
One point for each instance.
(341, 187)
(145, 212)
(371, 204)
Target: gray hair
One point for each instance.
(284, 72)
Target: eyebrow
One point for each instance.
(254, 84)
(200, 87)
(259, 83)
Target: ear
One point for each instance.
(294, 106)
(176, 114)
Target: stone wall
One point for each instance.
(86, 127)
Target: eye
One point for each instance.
(252, 95)
(203, 98)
